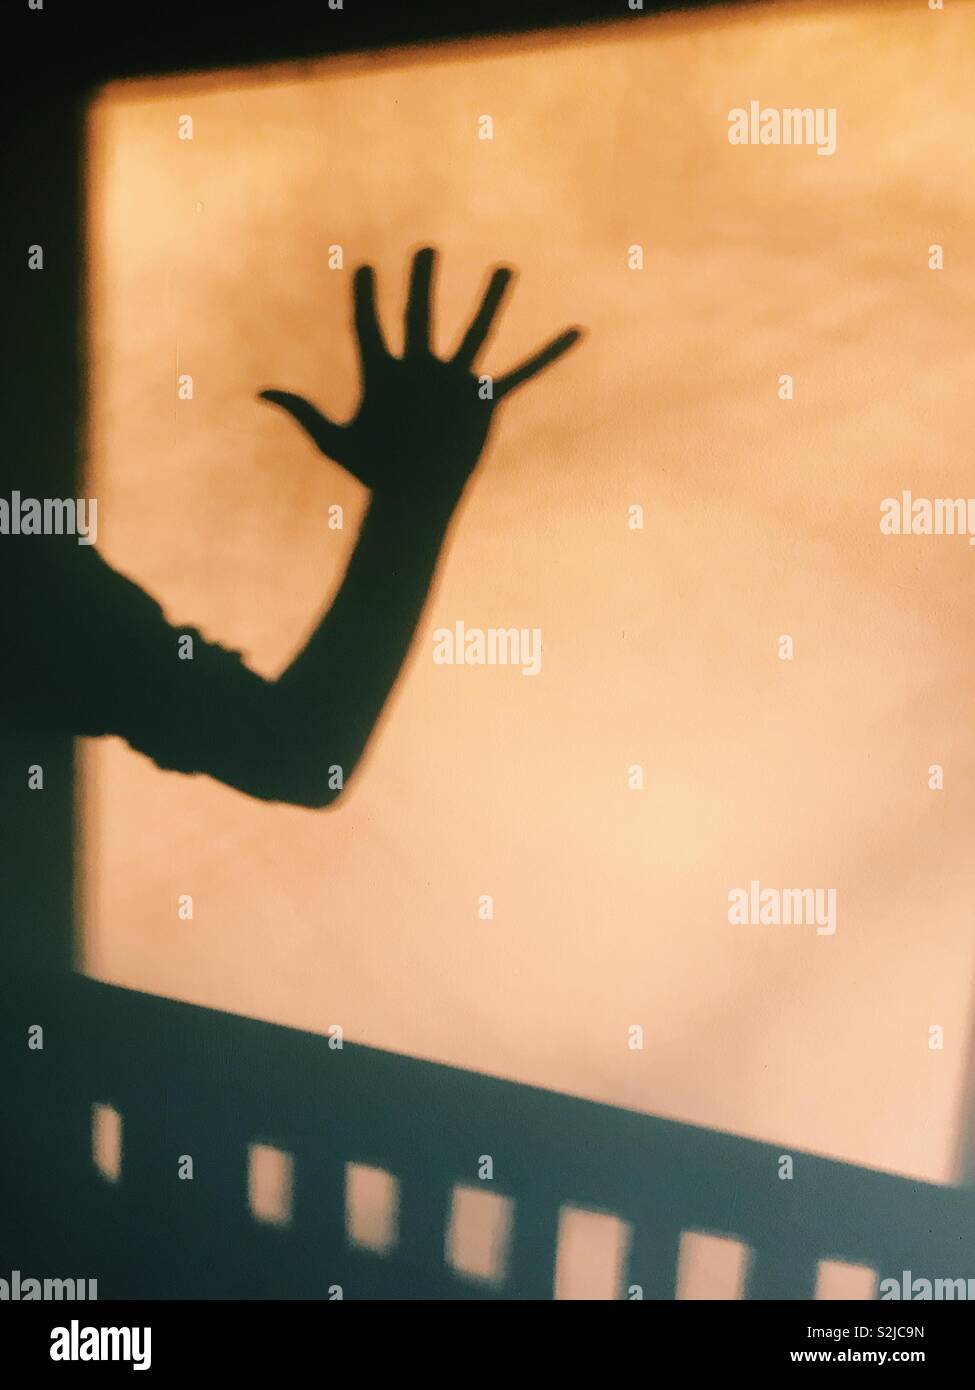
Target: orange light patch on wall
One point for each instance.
(661, 646)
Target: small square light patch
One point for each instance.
(106, 1141)
(711, 1267)
(479, 1234)
(270, 1184)
(371, 1207)
(593, 1248)
(834, 1279)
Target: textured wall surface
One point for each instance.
(209, 257)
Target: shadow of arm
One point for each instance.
(94, 655)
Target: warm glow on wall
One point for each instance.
(660, 646)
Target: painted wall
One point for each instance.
(660, 646)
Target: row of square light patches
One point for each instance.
(592, 1246)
